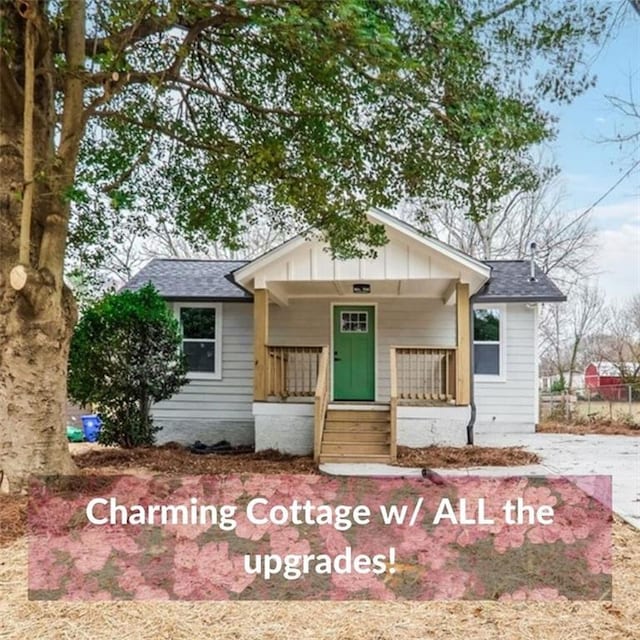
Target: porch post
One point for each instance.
(260, 339)
(463, 354)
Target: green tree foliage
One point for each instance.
(559, 385)
(125, 355)
(209, 110)
(315, 110)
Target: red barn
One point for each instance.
(604, 378)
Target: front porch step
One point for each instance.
(367, 457)
(356, 435)
(366, 415)
(336, 436)
(358, 406)
(358, 448)
(336, 425)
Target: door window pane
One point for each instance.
(354, 322)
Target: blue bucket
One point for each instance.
(91, 426)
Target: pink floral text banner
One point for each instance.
(255, 537)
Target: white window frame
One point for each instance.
(217, 362)
(502, 344)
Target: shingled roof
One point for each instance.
(195, 280)
(510, 282)
(201, 280)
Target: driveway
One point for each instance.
(561, 454)
(565, 454)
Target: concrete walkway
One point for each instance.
(561, 454)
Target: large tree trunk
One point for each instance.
(37, 311)
(35, 331)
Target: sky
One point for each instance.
(590, 167)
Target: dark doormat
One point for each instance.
(222, 447)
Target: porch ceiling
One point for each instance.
(439, 288)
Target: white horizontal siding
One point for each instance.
(301, 323)
(400, 321)
(229, 398)
(411, 322)
(513, 401)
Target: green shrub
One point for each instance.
(125, 355)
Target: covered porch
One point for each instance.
(349, 353)
(297, 372)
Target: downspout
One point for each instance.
(472, 403)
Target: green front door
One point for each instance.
(354, 353)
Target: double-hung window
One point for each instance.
(488, 342)
(201, 331)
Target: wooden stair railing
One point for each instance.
(321, 402)
(393, 407)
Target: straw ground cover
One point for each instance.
(174, 459)
(583, 426)
(20, 618)
(323, 620)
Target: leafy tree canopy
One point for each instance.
(125, 355)
(315, 109)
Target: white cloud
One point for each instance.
(618, 259)
(624, 210)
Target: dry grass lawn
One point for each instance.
(615, 620)
(21, 619)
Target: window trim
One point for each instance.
(217, 362)
(502, 344)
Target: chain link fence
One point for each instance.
(612, 402)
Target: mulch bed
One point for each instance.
(173, 458)
(457, 457)
(13, 518)
(591, 427)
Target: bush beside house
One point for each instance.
(125, 356)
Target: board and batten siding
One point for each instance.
(210, 410)
(510, 405)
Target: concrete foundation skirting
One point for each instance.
(187, 431)
(425, 426)
(491, 427)
(284, 426)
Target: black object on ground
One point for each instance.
(222, 447)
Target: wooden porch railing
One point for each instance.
(321, 402)
(424, 373)
(393, 407)
(292, 372)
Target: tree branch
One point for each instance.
(158, 128)
(154, 25)
(27, 144)
(488, 17)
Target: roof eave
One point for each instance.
(484, 298)
(179, 298)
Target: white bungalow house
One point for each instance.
(349, 358)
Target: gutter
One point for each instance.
(472, 403)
